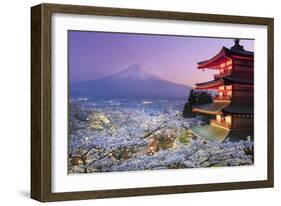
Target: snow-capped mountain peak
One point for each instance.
(133, 82)
(135, 72)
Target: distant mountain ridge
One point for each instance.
(132, 82)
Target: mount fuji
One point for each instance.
(132, 82)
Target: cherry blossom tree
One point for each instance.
(106, 140)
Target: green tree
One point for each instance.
(195, 98)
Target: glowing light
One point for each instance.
(218, 117)
(229, 62)
(147, 102)
(228, 87)
(228, 119)
(221, 88)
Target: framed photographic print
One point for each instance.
(132, 102)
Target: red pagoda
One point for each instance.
(233, 105)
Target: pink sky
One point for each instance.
(94, 55)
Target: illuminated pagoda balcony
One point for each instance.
(222, 74)
(224, 81)
(221, 98)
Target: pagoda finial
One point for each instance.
(237, 46)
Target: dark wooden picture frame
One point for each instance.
(41, 117)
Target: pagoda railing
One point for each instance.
(222, 74)
(225, 97)
(221, 123)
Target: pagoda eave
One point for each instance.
(210, 84)
(241, 57)
(239, 109)
(210, 133)
(217, 134)
(214, 108)
(206, 111)
(223, 55)
(226, 80)
(213, 61)
(213, 65)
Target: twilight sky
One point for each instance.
(94, 55)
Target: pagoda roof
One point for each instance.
(217, 134)
(210, 133)
(212, 108)
(226, 54)
(239, 108)
(210, 84)
(225, 80)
